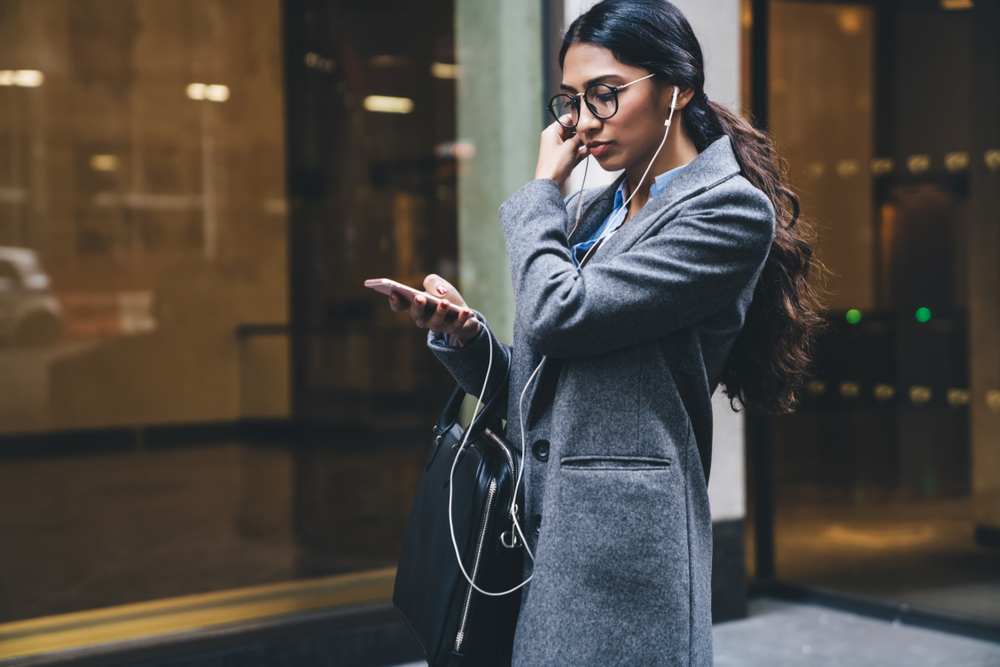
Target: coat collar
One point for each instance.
(713, 165)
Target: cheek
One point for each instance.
(636, 129)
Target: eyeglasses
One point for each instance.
(601, 99)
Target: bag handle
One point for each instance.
(449, 415)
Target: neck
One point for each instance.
(677, 152)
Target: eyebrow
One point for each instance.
(596, 79)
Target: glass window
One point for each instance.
(373, 161)
(886, 480)
(161, 432)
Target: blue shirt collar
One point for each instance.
(659, 185)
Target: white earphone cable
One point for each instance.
(451, 480)
(579, 195)
(520, 404)
(624, 207)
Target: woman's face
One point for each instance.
(635, 131)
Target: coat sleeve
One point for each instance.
(685, 272)
(468, 364)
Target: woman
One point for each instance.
(692, 276)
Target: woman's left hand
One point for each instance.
(560, 151)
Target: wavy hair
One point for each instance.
(767, 366)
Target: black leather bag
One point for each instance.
(454, 624)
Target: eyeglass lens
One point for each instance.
(601, 100)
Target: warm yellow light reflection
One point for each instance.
(104, 162)
(920, 394)
(385, 104)
(190, 613)
(884, 536)
(316, 61)
(850, 390)
(850, 21)
(918, 164)
(213, 92)
(956, 162)
(388, 61)
(444, 70)
(992, 160)
(816, 388)
(217, 93)
(196, 91)
(956, 4)
(26, 78)
(884, 392)
(882, 165)
(815, 169)
(847, 168)
(957, 397)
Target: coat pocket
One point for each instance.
(615, 462)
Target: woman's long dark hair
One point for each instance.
(766, 368)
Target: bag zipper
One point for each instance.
(460, 637)
(510, 459)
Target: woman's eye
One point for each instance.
(605, 98)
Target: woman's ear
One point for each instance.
(682, 98)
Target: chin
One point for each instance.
(609, 163)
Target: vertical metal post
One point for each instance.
(763, 500)
(759, 46)
(763, 483)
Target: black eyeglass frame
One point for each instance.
(614, 91)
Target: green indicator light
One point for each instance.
(923, 314)
(853, 316)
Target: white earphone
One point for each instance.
(612, 227)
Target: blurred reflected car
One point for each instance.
(29, 313)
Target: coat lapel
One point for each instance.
(595, 210)
(712, 166)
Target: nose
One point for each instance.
(588, 121)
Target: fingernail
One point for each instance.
(441, 289)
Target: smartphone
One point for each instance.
(386, 286)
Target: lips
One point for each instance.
(598, 148)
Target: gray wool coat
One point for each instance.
(618, 423)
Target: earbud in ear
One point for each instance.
(673, 103)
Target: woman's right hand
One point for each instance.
(465, 327)
(560, 151)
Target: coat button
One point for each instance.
(541, 450)
(536, 523)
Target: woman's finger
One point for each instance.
(442, 319)
(566, 133)
(417, 311)
(442, 289)
(456, 325)
(396, 303)
(459, 323)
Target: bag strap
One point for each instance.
(449, 415)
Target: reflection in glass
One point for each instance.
(148, 378)
(876, 485)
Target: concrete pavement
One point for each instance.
(783, 634)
